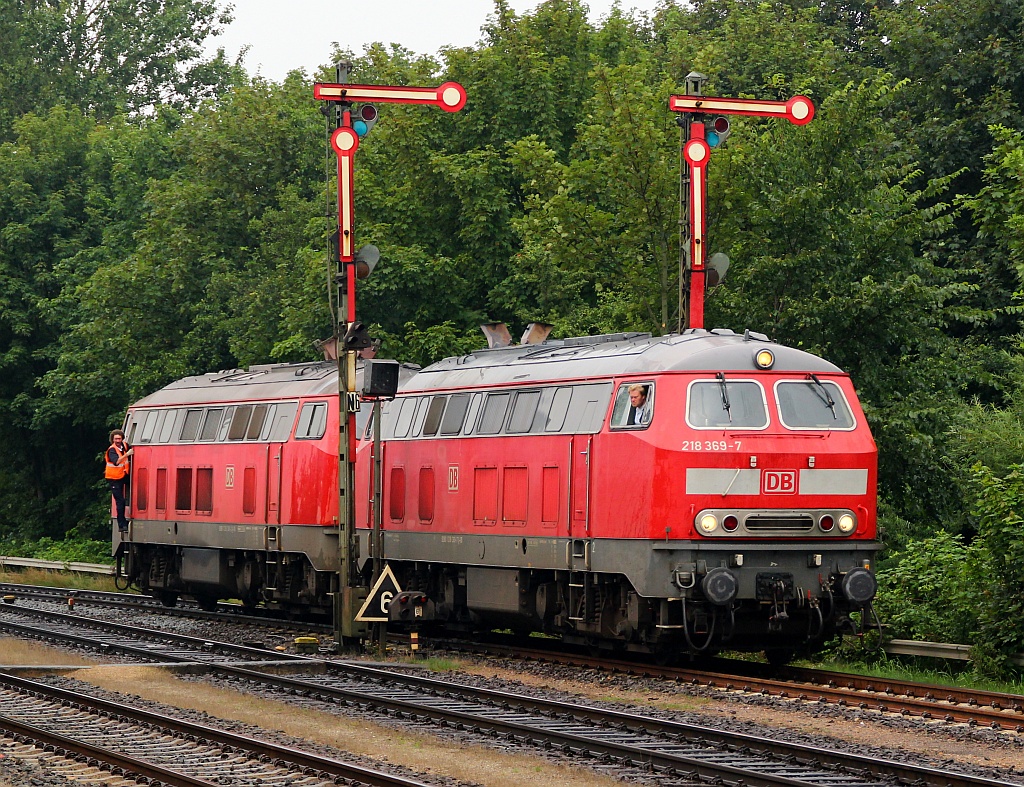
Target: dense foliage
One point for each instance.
(162, 214)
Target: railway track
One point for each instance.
(675, 750)
(225, 612)
(139, 744)
(973, 707)
(953, 705)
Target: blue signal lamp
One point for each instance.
(717, 131)
(364, 118)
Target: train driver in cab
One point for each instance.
(639, 407)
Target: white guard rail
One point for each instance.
(55, 565)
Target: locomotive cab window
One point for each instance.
(813, 404)
(726, 404)
(312, 421)
(634, 405)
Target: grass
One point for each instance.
(58, 579)
(442, 665)
(931, 671)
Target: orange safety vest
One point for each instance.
(119, 471)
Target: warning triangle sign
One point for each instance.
(375, 608)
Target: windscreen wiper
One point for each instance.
(725, 395)
(824, 395)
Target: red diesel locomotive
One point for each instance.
(520, 490)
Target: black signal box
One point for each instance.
(380, 379)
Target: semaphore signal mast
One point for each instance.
(351, 122)
(699, 138)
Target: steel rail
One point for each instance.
(992, 709)
(130, 766)
(738, 742)
(201, 650)
(257, 748)
(575, 741)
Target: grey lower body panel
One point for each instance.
(319, 544)
(656, 569)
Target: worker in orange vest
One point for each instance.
(119, 468)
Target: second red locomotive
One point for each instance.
(672, 494)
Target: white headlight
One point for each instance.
(708, 523)
(847, 523)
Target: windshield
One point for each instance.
(813, 404)
(729, 404)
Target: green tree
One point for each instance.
(225, 257)
(108, 56)
(999, 507)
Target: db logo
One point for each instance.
(778, 482)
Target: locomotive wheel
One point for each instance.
(207, 603)
(167, 598)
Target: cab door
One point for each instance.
(581, 448)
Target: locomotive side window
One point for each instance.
(281, 423)
(813, 404)
(141, 485)
(455, 413)
(149, 427)
(249, 490)
(474, 411)
(211, 424)
(225, 424)
(183, 489)
(363, 416)
(397, 487)
(726, 404)
(587, 408)
(204, 490)
(190, 428)
(434, 412)
(494, 413)
(131, 426)
(559, 408)
(405, 416)
(269, 425)
(421, 413)
(523, 410)
(161, 489)
(634, 407)
(168, 427)
(239, 422)
(312, 421)
(259, 417)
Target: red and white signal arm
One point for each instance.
(799, 110)
(451, 96)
